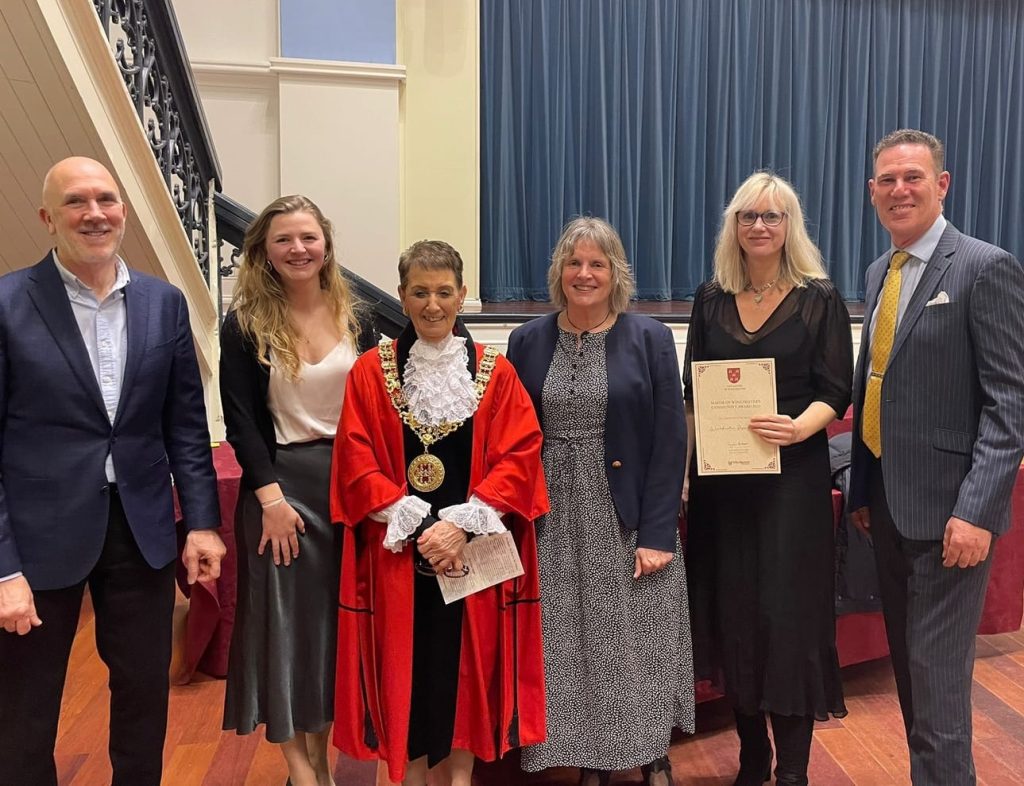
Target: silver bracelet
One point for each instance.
(272, 503)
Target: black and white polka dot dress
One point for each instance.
(617, 656)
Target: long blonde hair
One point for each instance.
(260, 302)
(801, 259)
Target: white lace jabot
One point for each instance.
(437, 384)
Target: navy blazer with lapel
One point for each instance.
(55, 433)
(645, 423)
(953, 392)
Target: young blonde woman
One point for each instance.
(287, 345)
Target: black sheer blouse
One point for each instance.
(808, 334)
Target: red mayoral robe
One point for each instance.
(500, 699)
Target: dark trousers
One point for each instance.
(931, 619)
(133, 605)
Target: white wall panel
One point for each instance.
(339, 146)
(233, 30)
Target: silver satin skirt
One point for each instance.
(281, 666)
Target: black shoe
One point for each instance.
(656, 766)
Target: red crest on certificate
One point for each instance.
(733, 375)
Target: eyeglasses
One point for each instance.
(424, 568)
(770, 218)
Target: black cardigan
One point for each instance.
(244, 382)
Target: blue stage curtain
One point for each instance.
(650, 112)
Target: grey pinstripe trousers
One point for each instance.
(931, 619)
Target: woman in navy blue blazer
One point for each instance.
(606, 387)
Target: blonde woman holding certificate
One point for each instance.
(760, 551)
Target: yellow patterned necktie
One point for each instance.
(881, 346)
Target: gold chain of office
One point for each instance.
(426, 471)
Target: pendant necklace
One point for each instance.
(759, 292)
(426, 471)
(589, 329)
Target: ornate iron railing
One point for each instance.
(148, 48)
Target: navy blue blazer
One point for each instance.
(645, 424)
(55, 434)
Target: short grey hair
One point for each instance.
(430, 255)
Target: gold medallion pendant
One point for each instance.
(426, 473)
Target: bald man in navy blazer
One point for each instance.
(100, 403)
(934, 492)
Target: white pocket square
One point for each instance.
(940, 299)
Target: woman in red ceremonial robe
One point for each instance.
(438, 442)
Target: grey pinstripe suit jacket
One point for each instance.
(953, 393)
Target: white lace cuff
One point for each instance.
(403, 517)
(475, 516)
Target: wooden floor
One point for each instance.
(866, 748)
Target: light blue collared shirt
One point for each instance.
(104, 329)
(920, 252)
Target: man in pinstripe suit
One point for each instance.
(939, 425)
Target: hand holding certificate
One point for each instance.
(727, 394)
(491, 559)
